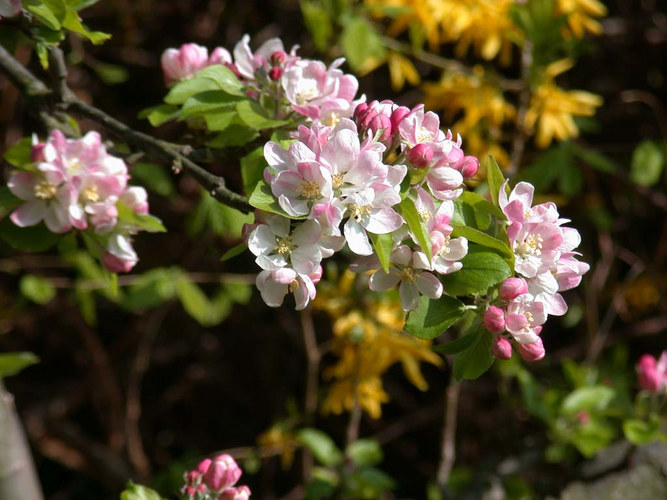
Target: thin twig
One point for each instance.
(521, 134)
(448, 447)
(355, 415)
(313, 356)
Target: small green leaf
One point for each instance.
(263, 198)
(364, 452)
(433, 316)
(162, 113)
(8, 201)
(154, 177)
(13, 362)
(19, 153)
(648, 160)
(220, 119)
(477, 359)
(28, 239)
(321, 446)
(640, 432)
(318, 22)
(151, 289)
(211, 100)
(481, 270)
(383, 244)
(486, 240)
(42, 13)
(360, 42)
(593, 398)
(37, 289)
(234, 251)
(233, 135)
(73, 23)
(458, 345)
(144, 222)
(138, 492)
(252, 169)
(216, 77)
(594, 159)
(253, 115)
(416, 225)
(494, 177)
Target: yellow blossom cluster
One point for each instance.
(581, 16)
(551, 111)
(368, 340)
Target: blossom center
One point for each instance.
(91, 194)
(444, 249)
(424, 135)
(532, 245)
(360, 212)
(45, 190)
(332, 120)
(408, 274)
(424, 214)
(307, 92)
(338, 180)
(308, 189)
(284, 246)
(293, 286)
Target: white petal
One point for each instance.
(356, 238)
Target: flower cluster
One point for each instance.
(346, 185)
(75, 183)
(302, 87)
(546, 264)
(652, 373)
(215, 479)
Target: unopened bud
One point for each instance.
(494, 319)
(511, 288)
(501, 348)
(238, 493)
(469, 166)
(532, 352)
(223, 473)
(359, 110)
(397, 116)
(421, 155)
(275, 73)
(203, 466)
(278, 58)
(647, 373)
(193, 477)
(380, 123)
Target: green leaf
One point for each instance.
(221, 219)
(37, 289)
(154, 177)
(8, 202)
(233, 135)
(252, 169)
(495, 178)
(263, 198)
(220, 119)
(589, 399)
(383, 245)
(477, 359)
(216, 77)
(318, 22)
(211, 100)
(648, 160)
(486, 240)
(13, 362)
(195, 302)
(458, 345)
(570, 179)
(138, 492)
(640, 432)
(483, 209)
(73, 23)
(321, 446)
(44, 14)
(151, 289)
(481, 270)
(364, 452)
(360, 42)
(253, 115)
(234, 251)
(144, 222)
(416, 225)
(433, 316)
(594, 159)
(162, 113)
(28, 239)
(19, 153)
(369, 483)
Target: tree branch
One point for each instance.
(31, 86)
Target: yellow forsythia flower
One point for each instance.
(581, 16)
(552, 109)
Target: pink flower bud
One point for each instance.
(469, 166)
(181, 64)
(494, 319)
(220, 55)
(647, 373)
(238, 493)
(421, 155)
(501, 348)
(583, 417)
(380, 122)
(397, 117)
(223, 473)
(275, 73)
(278, 58)
(511, 288)
(37, 153)
(202, 489)
(117, 265)
(193, 477)
(189, 492)
(532, 352)
(203, 466)
(359, 111)
(234, 69)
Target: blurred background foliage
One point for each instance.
(140, 377)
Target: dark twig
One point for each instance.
(448, 447)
